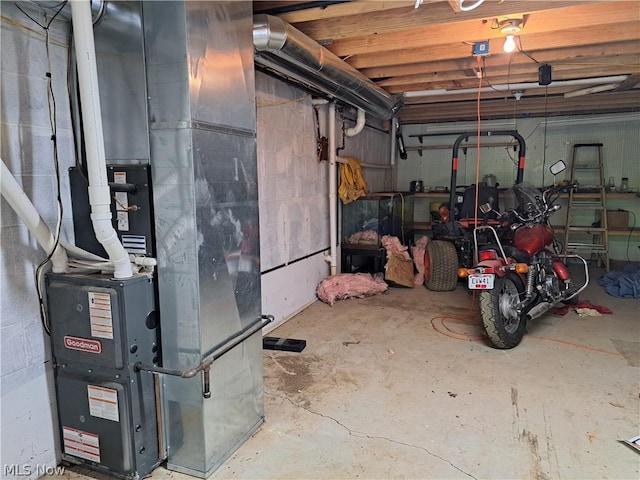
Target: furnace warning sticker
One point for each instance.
(103, 402)
(100, 315)
(122, 203)
(81, 444)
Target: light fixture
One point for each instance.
(509, 44)
(510, 26)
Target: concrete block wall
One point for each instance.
(293, 193)
(292, 184)
(28, 418)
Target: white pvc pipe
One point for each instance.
(360, 122)
(469, 7)
(516, 86)
(99, 193)
(18, 200)
(333, 197)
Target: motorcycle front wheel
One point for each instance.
(500, 320)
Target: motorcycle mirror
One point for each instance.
(485, 208)
(558, 167)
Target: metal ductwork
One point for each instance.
(291, 54)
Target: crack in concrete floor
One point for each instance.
(355, 433)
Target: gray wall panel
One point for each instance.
(220, 59)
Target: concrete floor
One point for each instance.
(403, 385)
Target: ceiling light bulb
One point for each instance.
(509, 44)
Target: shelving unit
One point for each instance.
(425, 226)
(421, 205)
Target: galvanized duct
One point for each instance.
(123, 17)
(291, 54)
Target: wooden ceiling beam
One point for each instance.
(263, 5)
(624, 63)
(404, 17)
(464, 97)
(510, 79)
(609, 52)
(526, 103)
(596, 103)
(339, 11)
(573, 37)
(581, 17)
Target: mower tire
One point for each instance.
(441, 266)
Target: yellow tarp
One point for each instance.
(352, 184)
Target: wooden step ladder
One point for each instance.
(587, 203)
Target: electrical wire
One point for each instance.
(544, 149)
(48, 24)
(51, 100)
(483, 74)
(521, 50)
(509, 78)
(12, 22)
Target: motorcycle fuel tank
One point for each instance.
(533, 239)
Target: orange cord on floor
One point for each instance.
(577, 345)
(439, 324)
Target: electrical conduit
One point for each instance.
(18, 200)
(99, 193)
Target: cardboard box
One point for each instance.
(617, 220)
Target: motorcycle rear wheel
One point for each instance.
(504, 327)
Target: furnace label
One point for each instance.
(81, 444)
(100, 315)
(103, 403)
(82, 344)
(122, 203)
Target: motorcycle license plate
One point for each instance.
(481, 281)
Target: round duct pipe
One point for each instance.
(291, 54)
(120, 20)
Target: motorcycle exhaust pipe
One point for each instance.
(538, 310)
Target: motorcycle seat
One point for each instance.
(518, 255)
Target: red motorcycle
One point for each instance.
(520, 274)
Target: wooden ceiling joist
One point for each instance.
(573, 37)
(476, 30)
(568, 55)
(404, 49)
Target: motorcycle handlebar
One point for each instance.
(545, 206)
